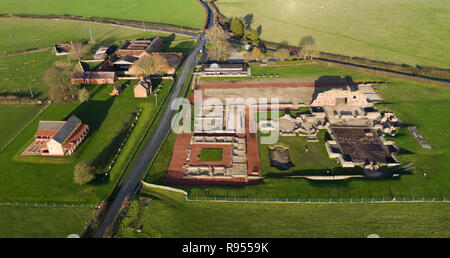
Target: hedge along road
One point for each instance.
(131, 181)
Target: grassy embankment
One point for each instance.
(168, 215)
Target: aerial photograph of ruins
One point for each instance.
(224, 119)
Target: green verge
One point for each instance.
(161, 213)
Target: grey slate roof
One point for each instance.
(67, 129)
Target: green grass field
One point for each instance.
(18, 73)
(21, 34)
(169, 215)
(424, 105)
(43, 222)
(211, 155)
(51, 178)
(12, 124)
(405, 31)
(188, 13)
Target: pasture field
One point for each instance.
(187, 13)
(19, 73)
(168, 215)
(34, 178)
(414, 32)
(21, 33)
(14, 118)
(43, 222)
(424, 105)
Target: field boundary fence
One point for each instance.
(317, 200)
(49, 204)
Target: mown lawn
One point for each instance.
(414, 32)
(211, 154)
(43, 222)
(424, 105)
(169, 215)
(14, 118)
(21, 34)
(51, 178)
(187, 13)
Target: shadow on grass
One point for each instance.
(338, 171)
(184, 47)
(92, 113)
(171, 201)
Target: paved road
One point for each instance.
(138, 169)
(134, 176)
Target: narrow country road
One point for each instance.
(134, 176)
(132, 179)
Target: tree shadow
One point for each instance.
(308, 40)
(21, 94)
(166, 39)
(248, 20)
(184, 47)
(259, 30)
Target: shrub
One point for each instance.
(83, 95)
(83, 173)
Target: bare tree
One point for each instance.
(57, 78)
(152, 64)
(78, 50)
(247, 56)
(282, 54)
(308, 47)
(257, 54)
(218, 45)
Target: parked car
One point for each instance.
(293, 53)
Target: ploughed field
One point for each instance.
(415, 32)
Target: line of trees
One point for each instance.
(218, 46)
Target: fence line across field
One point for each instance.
(317, 200)
(49, 205)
